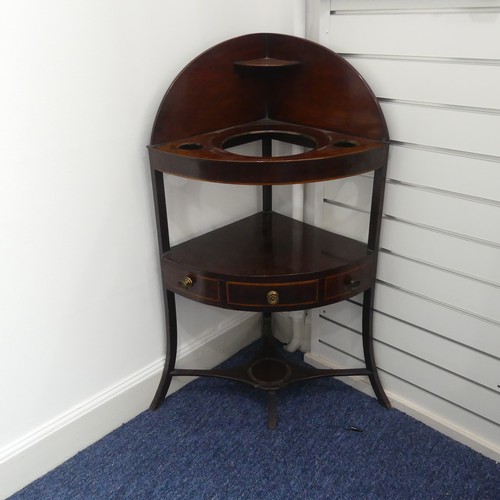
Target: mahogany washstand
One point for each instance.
(269, 87)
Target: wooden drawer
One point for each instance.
(199, 288)
(304, 293)
(344, 285)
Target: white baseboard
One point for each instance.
(50, 445)
(421, 414)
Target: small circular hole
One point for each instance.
(344, 143)
(269, 371)
(190, 146)
(280, 136)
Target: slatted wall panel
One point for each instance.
(435, 67)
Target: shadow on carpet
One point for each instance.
(210, 441)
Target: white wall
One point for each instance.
(435, 67)
(80, 297)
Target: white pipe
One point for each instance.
(298, 327)
(298, 202)
(297, 317)
(317, 19)
(317, 14)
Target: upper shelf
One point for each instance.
(329, 155)
(291, 90)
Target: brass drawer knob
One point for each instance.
(273, 297)
(185, 283)
(352, 284)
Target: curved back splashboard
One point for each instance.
(268, 86)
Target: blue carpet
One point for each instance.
(210, 441)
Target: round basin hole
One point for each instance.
(280, 138)
(346, 143)
(190, 146)
(269, 371)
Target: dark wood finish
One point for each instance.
(265, 88)
(267, 63)
(170, 349)
(343, 285)
(235, 266)
(267, 190)
(253, 296)
(203, 289)
(369, 354)
(323, 92)
(203, 156)
(266, 247)
(269, 371)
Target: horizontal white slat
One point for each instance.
(345, 312)
(451, 323)
(462, 256)
(467, 36)
(442, 383)
(463, 293)
(457, 83)
(440, 410)
(459, 359)
(346, 222)
(473, 365)
(421, 373)
(342, 339)
(441, 170)
(355, 191)
(448, 128)
(424, 399)
(338, 358)
(449, 213)
(461, 421)
(360, 5)
(435, 64)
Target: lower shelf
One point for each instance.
(270, 371)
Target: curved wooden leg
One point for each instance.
(368, 348)
(171, 350)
